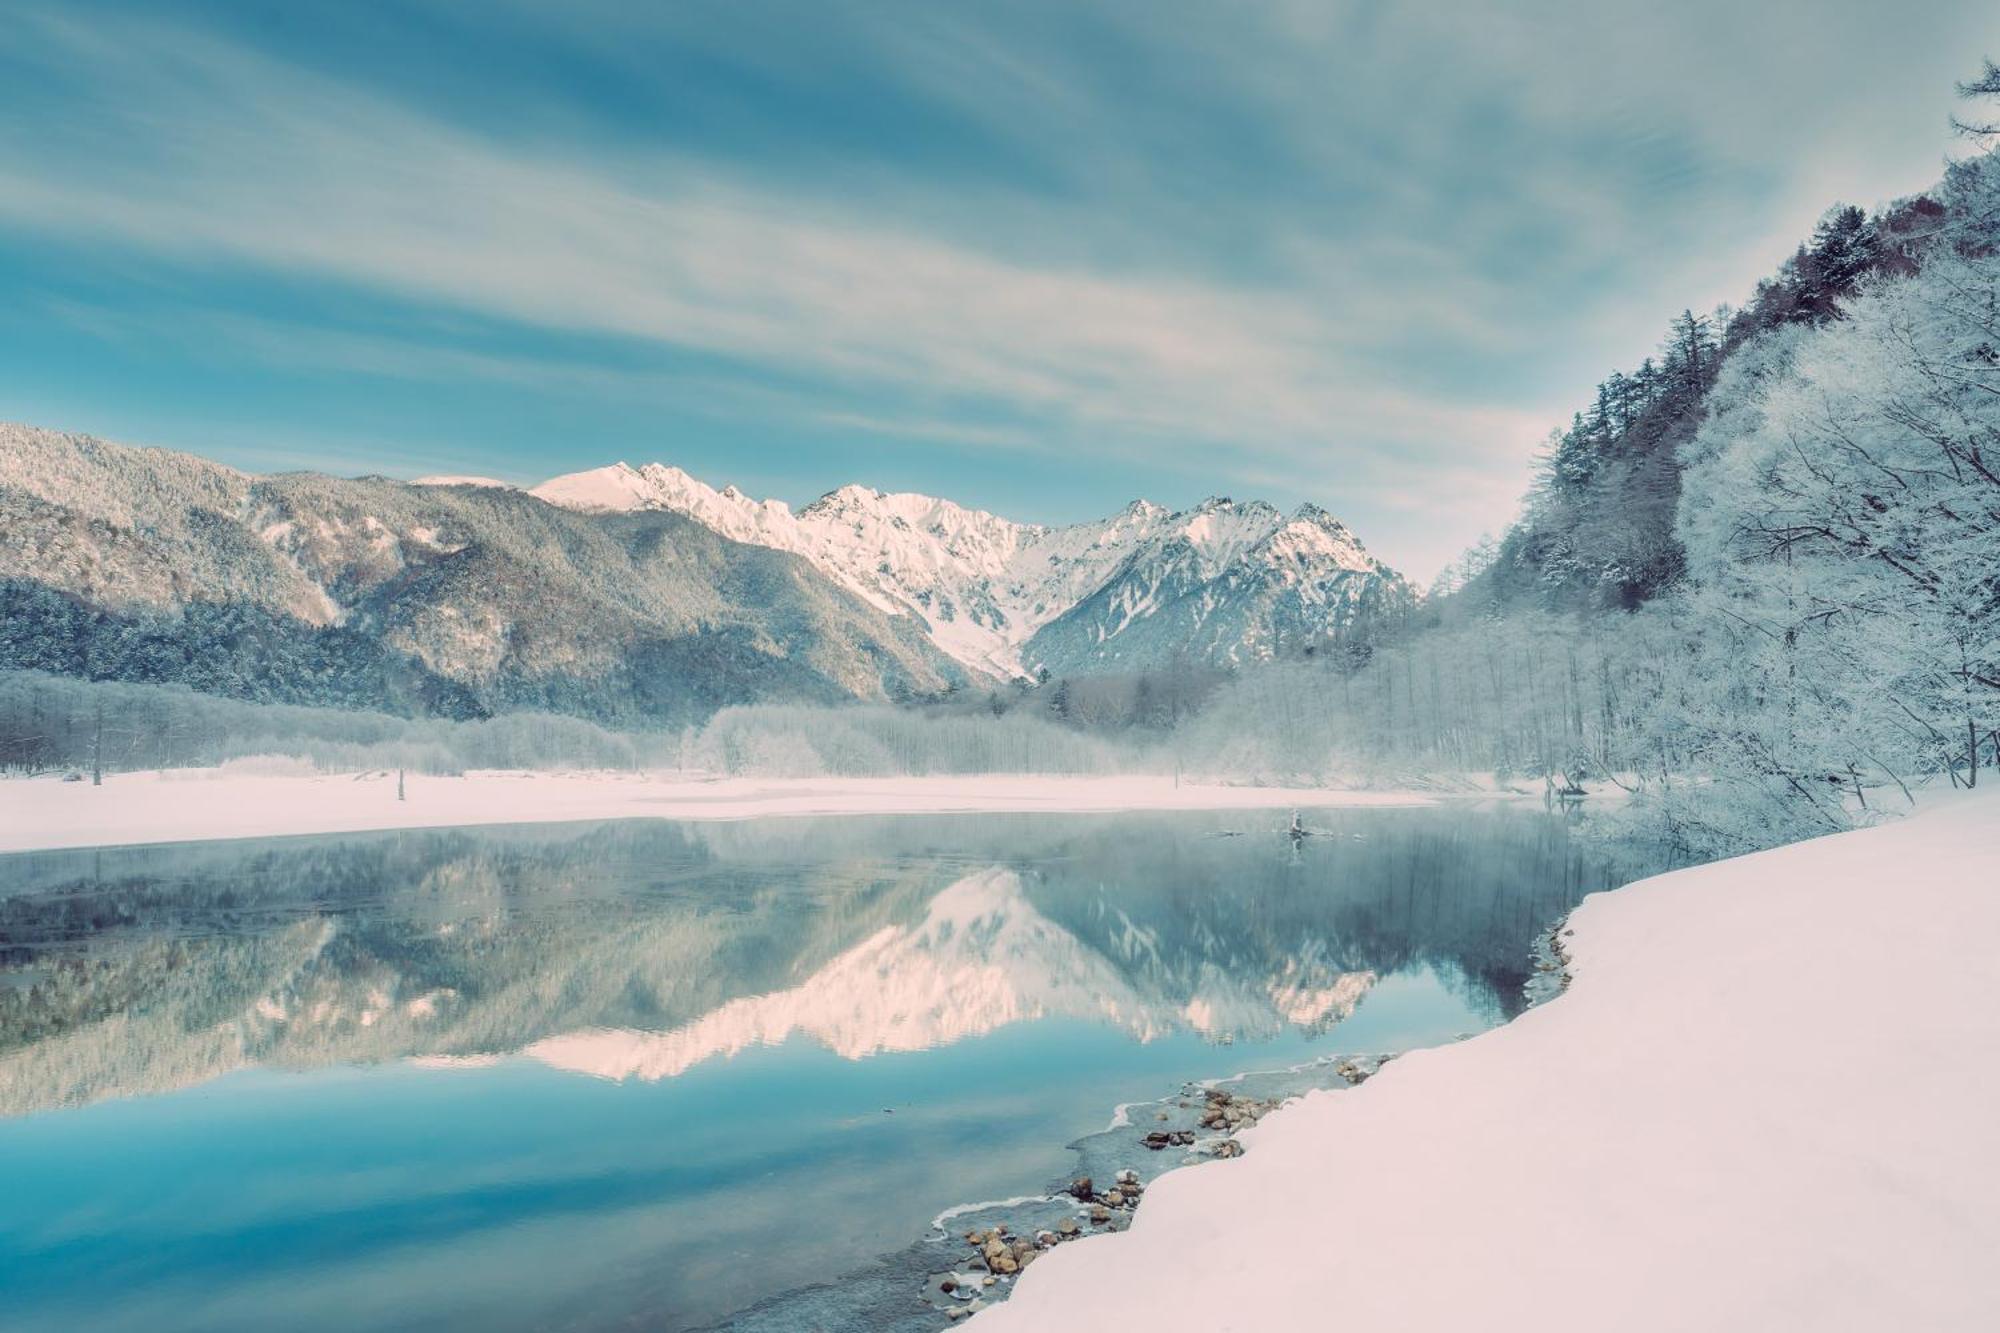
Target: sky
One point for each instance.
(1043, 257)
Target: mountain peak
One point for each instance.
(1227, 504)
(849, 497)
(1313, 537)
(995, 594)
(1318, 517)
(618, 488)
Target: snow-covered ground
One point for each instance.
(188, 805)
(1768, 1102)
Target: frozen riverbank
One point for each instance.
(1765, 1103)
(189, 805)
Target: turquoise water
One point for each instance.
(642, 1074)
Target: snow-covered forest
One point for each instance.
(50, 722)
(1756, 581)
(57, 723)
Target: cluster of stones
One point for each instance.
(1356, 1073)
(997, 1257)
(1003, 1255)
(1223, 1113)
(1226, 1112)
(1122, 1197)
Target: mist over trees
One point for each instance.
(51, 723)
(1758, 579)
(1518, 697)
(57, 723)
(789, 741)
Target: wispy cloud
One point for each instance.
(229, 155)
(1360, 251)
(225, 155)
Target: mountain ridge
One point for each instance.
(136, 564)
(622, 593)
(1242, 580)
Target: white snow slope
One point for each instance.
(1768, 1102)
(984, 585)
(488, 483)
(190, 805)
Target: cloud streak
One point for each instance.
(1219, 260)
(290, 172)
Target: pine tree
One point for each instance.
(1979, 129)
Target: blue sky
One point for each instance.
(1040, 257)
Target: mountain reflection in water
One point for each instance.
(1132, 947)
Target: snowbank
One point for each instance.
(1767, 1102)
(188, 805)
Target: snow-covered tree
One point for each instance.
(1842, 521)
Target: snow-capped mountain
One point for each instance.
(1225, 583)
(624, 594)
(1222, 583)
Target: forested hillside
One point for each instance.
(455, 601)
(1599, 527)
(1758, 578)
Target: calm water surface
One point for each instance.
(645, 1075)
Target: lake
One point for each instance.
(651, 1075)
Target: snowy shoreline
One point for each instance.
(1728, 1105)
(193, 805)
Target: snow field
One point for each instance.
(188, 805)
(1766, 1102)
